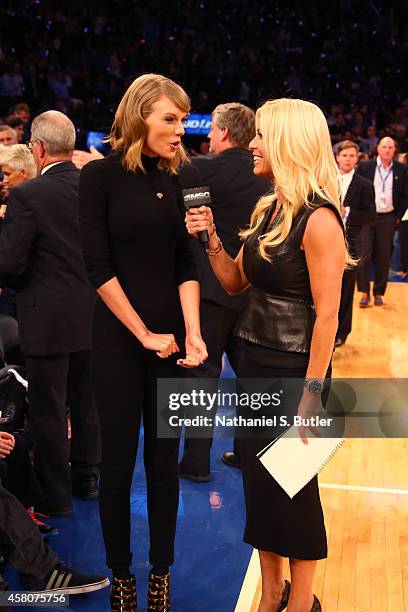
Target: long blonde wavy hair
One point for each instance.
(129, 130)
(297, 144)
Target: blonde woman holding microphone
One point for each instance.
(293, 258)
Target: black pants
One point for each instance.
(403, 235)
(22, 481)
(21, 542)
(125, 388)
(217, 324)
(377, 243)
(355, 234)
(53, 381)
(346, 304)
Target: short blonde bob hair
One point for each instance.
(129, 129)
(297, 144)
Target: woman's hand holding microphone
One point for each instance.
(199, 220)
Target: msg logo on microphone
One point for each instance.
(196, 196)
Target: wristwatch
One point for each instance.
(314, 385)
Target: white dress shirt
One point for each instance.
(345, 183)
(383, 179)
(44, 170)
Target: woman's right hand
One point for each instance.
(198, 220)
(163, 345)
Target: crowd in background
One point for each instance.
(348, 57)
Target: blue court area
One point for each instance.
(210, 561)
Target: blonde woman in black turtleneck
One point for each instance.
(139, 259)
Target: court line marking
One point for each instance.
(250, 583)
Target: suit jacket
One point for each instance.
(360, 197)
(41, 258)
(234, 193)
(399, 186)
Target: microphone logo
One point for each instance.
(194, 198)
(197, 196)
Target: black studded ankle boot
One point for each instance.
(316, 605)
(158, 593)
(123, 595)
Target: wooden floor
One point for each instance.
(364, 489)
(378, 343)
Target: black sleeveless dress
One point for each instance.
(277, 327)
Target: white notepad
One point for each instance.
(292, 463)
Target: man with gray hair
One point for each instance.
(228, 171)
(8, 136)
(390, 180)
(41, 257)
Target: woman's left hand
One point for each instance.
(196, 352)
(310, 407)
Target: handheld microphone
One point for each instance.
(194, 198)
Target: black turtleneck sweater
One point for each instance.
(132, 228)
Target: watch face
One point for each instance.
(315, 386)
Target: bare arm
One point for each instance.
(229, 271)
(115, 299)
(196, 351)
(325, 251)
(189, 293)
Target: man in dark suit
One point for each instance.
(390, 180)
(228, 171)
(358, 200)
(41, 256)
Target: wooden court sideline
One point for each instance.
(364, 489)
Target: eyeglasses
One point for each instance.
(31, 144)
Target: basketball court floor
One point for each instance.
(364, 491)
(364, 488)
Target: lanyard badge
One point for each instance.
(383, 181)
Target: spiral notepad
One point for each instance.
(292, 463)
